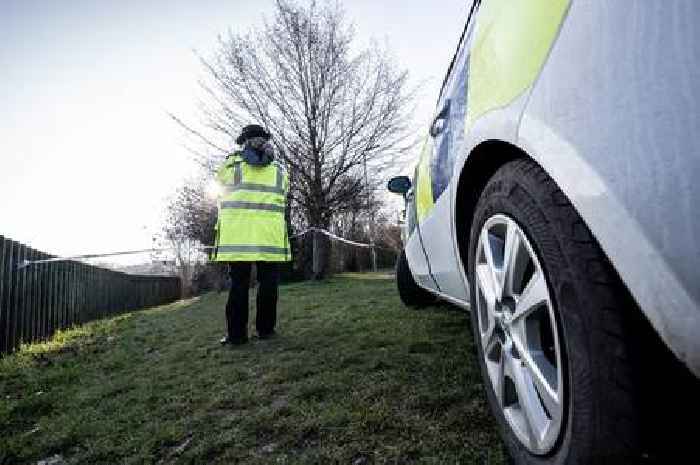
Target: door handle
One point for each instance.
(436, 129)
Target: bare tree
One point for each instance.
(191, 212)
(333, 110)
(189, 223)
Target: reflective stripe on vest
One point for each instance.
(280, 179)
(240, 205)
(252, 249)
(237, 174)
(252, 187)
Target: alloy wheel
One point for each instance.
(519, 334)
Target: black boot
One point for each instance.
(233, 341)
(269, 335)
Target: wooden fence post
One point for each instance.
(25, 307)
(37, 299)
(12, 289)
(78, 297)
(60, 301)
(85, 310)
(101, 295)
(21, 294)
(56, 297)
(56, 288)
(31, 297)
(5, 259)
(11, 254)
(17, 295)
(46, 269)
(89, 290)
(71, 293)
(108, 294)
(94, 292)
(98, 292)
(63, 280)
(78, 310)
(84, 289)
(42, 287)
(50, 310)
(27, 310)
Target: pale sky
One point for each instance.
(88, 155)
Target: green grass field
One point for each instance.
(354, 378)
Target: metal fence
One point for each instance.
(36, 301)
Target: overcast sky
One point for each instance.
(88, 155)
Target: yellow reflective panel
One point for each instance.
(257, 197)
(424, 185)
(260, 174)
(239, 229)
(259, 230)
(513, 39)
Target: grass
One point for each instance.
(354, 378)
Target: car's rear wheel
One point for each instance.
(552, 325)
(411, 294)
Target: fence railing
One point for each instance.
(37, 300)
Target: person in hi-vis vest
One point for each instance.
(251, 228)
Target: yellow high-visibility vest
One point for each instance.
(251, 224)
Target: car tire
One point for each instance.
(595, 323)
(411, 294)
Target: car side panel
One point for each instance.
(506, 46)
(617, 129)
(439, 247)
(415, 253)
(417, 262)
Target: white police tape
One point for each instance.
(27, 263)
(333, 236)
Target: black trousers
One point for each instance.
(237, 305)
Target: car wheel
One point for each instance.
(411, 294)
(552, 327)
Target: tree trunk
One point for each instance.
(321, 255)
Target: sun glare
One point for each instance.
(214, 189)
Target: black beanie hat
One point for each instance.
(250, 131)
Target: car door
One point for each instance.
(446, 142)
(418, 199)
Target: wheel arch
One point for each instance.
(481, 164)
(479, 167)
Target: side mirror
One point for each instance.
(399, 185)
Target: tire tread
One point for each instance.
(610, 334)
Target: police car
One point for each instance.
(556, 198)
